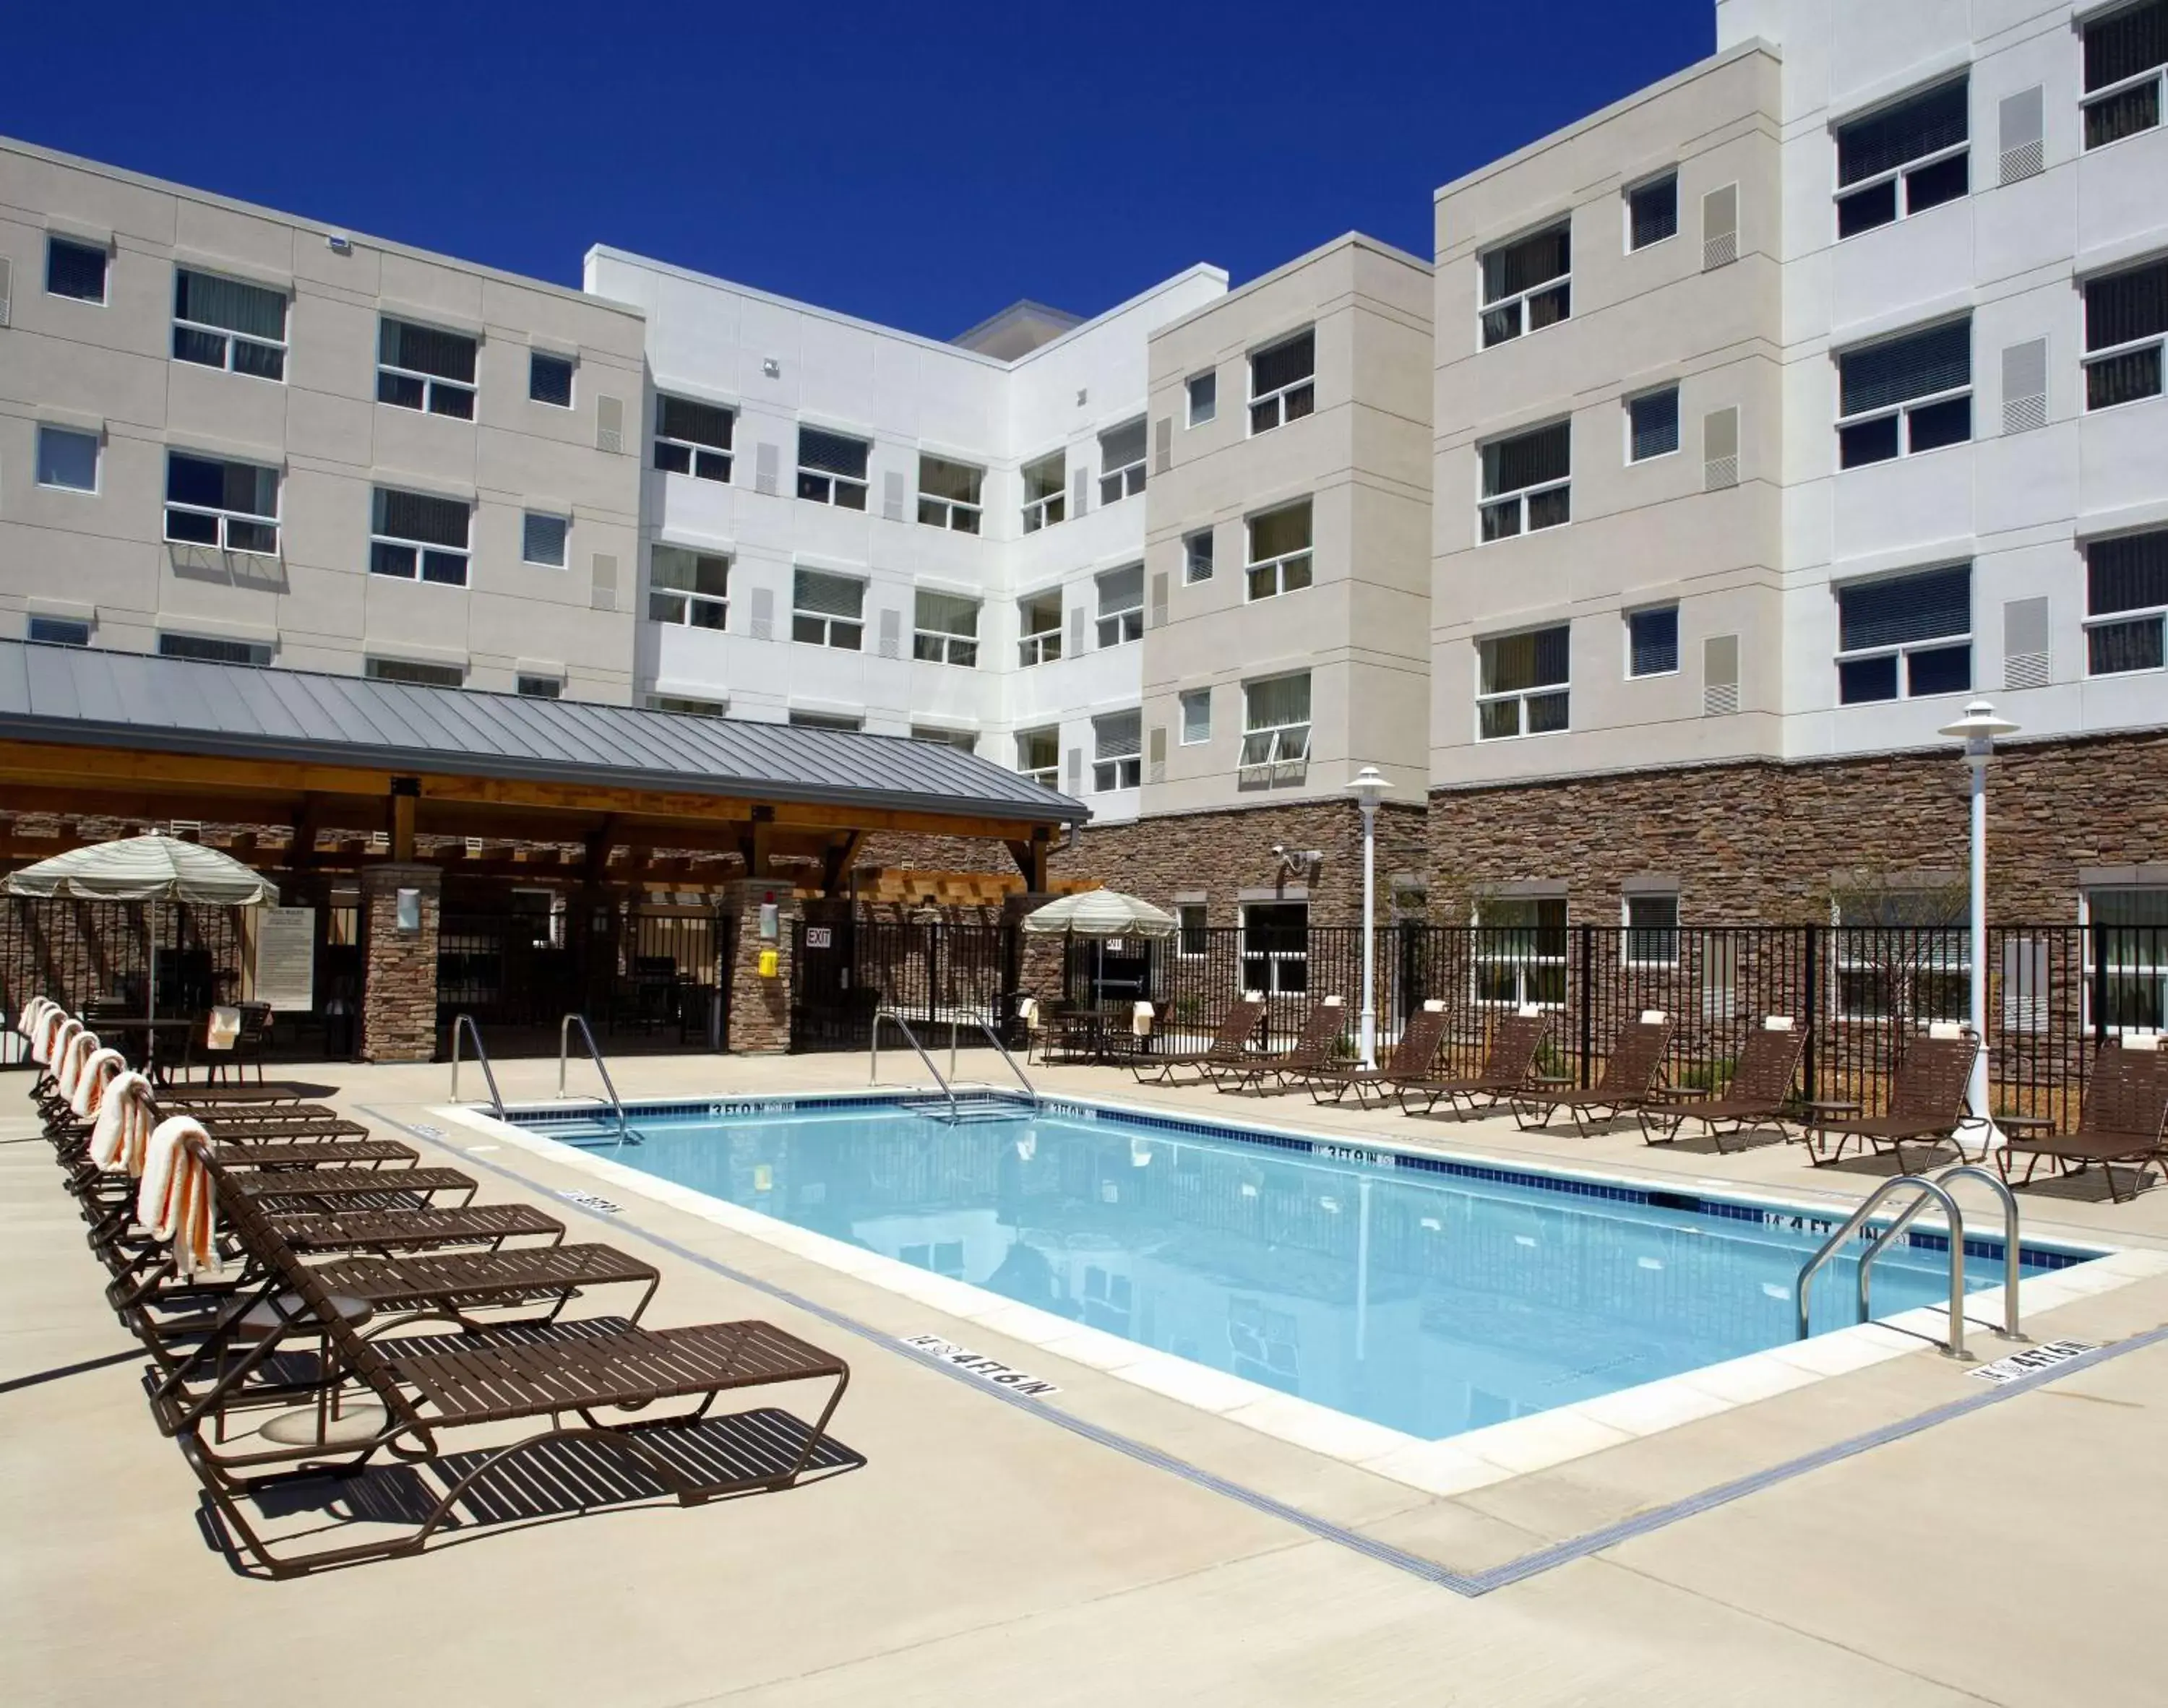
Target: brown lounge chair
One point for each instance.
(1321, 1032)
(1507, 1066)
(1632, 1076)
(1412, 1058)
(1927, 1097)
(2124, 1119)
(1228, 1045)
(1760, 1089)
(566, 1386)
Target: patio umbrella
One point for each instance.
(1100, 914)
(151, 868)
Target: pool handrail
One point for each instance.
(466, 1023)
(910, 1037)
(1001, 1049)
(624, 1133)
(2011, 1245)
(1954, 1346)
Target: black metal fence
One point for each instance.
(80, 952)
(2055, 993)
(935, 974)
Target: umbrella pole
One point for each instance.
(151, 997)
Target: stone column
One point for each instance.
(760, 1008)
(399, 968)
(1039, 958)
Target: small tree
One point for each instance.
(1899, 953)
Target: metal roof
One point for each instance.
(92, 697)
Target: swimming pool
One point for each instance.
(1429, 1295)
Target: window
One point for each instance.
(1652, 425)
(208, 649)
(1528, 481)
(1122, 462)
(1039, 757)
(691, 589)
(222, 323)
(2126, 314)
(1196, 716)
(1276, 947)
(75, 269)
(948, 493)
(2124, 54)
(1189, 938)
(1283, 382)
(693, 438)
(67, 459)
(847, 722)
(231, 506)
(962, 741)
(685, 707)
(2126, 583)
(1652, 641)
(1275, 727)
(828, 610)
(2127, 956)
(1197, 557)
(542, 539)
(1121, 606)
(831, 469)
(550, 378)
(414, 674)
(1526, 284)
(1903, 159)
(1903, 954)
(1652, 931)
(1203, 390)
(1522, 683)
(1904, 637)
(419, 538)
(1904, 395)
(541, 687)
(1520, 952)
(1045, 500)
(1279, 552)
(946, 629)
(1117, 750)
(1652, 211)
(1038, 621)
(426, 368)
(58, 631)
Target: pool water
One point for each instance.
(1428, 1302)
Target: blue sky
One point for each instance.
(917, 166)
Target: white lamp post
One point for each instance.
(1978, 730)
(1369, 786)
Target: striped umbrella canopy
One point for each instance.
(1100, 913)
(144, 868)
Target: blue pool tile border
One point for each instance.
(2039, 1258)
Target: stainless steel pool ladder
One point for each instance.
(625, 1135)
(466, 1023)
(947, 1083)
(1925, 1190)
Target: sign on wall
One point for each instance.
(819, 936)
(286, 959)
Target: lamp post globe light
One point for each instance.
(1978, 730)
(1369, 786)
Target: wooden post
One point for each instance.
(406, 796)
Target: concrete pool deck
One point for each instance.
(985, 1550)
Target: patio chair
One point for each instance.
(1927, 1101)
(407, 1404)
(1757, 1094)
(1507, 1065)
(1412, 1058)
(2124, 1119)
(1313, 1048)
(1633, 1075)
(1230, 1044)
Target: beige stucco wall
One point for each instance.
(107, 369)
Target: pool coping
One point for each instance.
(1448, 1466)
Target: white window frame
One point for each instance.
(1519, 698)
(232, 339)
(684, 706)
(962, 741)
(1188, 699)
(1052, 505)
(704, 461)
(422, 550)
(1279, 403)
(1290, 571)
(1517, 501)
(836, 723)
(841, 490)
(1670, 175)
(2090, 98)
(1901, 197)
(1047, 775)
(1539, 979)
(227, 522)
(535, 684)
(1277, 751)
(1924, 957)
(1120, 625)
(1039, 646)
(1192, 558)
(57, 631)
(1126, 480)
(1678, 424)
(1273, 980)
(563, 538)
(2156, 342)
(1516, 303)
(1123, 771)
(2155, 615)
(1198, 411)
(375, 666)
(830, 630)
(2142, 973)
(1185, 932)
(958, 515)
(1906, 410)
(944, 645)
(1901, 651)
(431, 384)
(61, 239)
(1678, 648)
(210, 648)
(571, 377)
(1637, 938)
(97, 459)
(688, 600)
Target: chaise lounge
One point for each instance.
(1758, 1093)
(1508, 1066)
(1632, 1076)
(1927, 1101)
(2124, 1119)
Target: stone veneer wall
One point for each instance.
(399, 991)
(1767, 843)
(760, 1008)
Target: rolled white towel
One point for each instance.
(122, 1133)
(80, 1046)
(26, 1021)
(48, 1039)
(90, 1084)
(174, 1202)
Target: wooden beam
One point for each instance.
(406, 796)
(598, 844)
(1030, 856)
(836, 864)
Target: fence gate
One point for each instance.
(935, 974)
